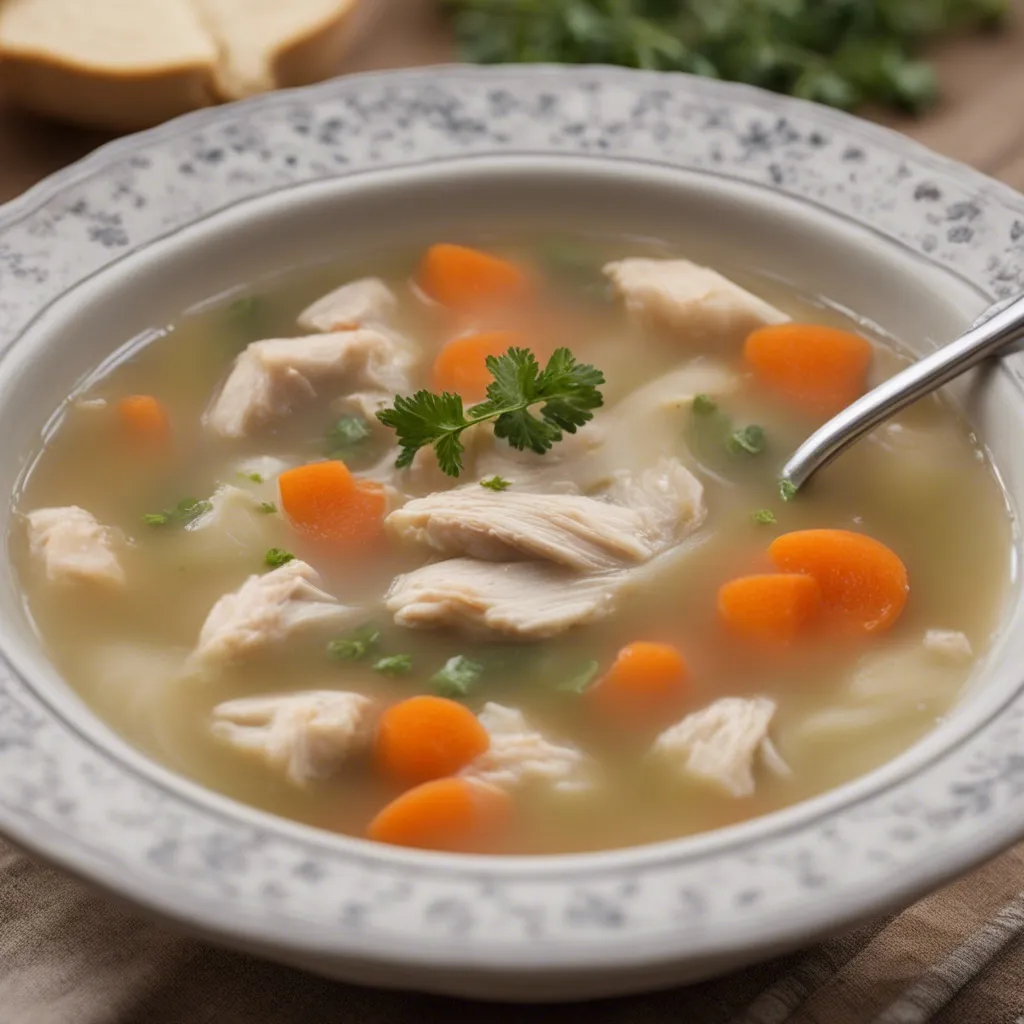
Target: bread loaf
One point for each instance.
(122, 65)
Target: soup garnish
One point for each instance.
(440, 582)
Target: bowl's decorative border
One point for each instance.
(239, 873)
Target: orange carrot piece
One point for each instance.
(644, 686)
(772, 609)
(463, 278)
(324, 501)
(461, 365)
(145, 420)
(425, 738)
(457, 815)
(863, 583)
(820, 368)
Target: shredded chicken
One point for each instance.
(519, 755)
(357, 304)
(73, 547)
(645, 513)
(720, 744)
(691, 300)
(268, 610)
(526, 600)
(307, 736)
(271, 379)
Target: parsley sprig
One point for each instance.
(566, 391)
(841, 52)
(186, 511)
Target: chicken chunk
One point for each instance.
(73, 547)
(521, 756)
(719, 745)
(892, 684)
(948, 645)
(644, 514)
(693, 301)
(353, 305)
(271, 379)
(235, 528)
(525, 600)
(268, 610)
(307, 736)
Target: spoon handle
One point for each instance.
(989, 335)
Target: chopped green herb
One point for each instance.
(841, 52)
(704, 404)
(268, 507)
(747, 439)
(276, 557)
(394, 665)
(567, 392)
(496, 483)
(787, 490)
(346, 432)
(457, 677)
(765, 516)
(255, 478)
(580, 681)
(362, 643)
(187, 510)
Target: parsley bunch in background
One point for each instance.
(840, 52)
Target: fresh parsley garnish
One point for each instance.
(276, 557)
(579, 682)
(704, 404)
(567, 392)
(842, 52)
(256, 478)
(347, 432)
(393, 665)
(765, 516)
(187, 510)
(268, 508)
(457, 677)
(361, 644)
(244, 315)
(787, 490)
(749, 439)
(496, 483)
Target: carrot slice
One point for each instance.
(645, 685)
(461, 365)
(324, 501)
(820, 368)
(863, 583)
(773, 609)
(457, 815)
(426, 738)
(145, 420)
(463, 278)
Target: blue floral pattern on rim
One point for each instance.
(242, 875)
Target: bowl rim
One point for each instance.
(245, 876)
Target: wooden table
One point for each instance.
(980, 120)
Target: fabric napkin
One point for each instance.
(69, 955)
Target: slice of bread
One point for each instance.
(114, 64)
(128, 64)
(268, 44)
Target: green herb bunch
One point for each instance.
(840, 52)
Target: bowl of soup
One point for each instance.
(399, 582)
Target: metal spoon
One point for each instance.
(996, 329)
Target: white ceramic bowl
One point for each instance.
(153, 223)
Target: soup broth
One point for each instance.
(840, 696)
